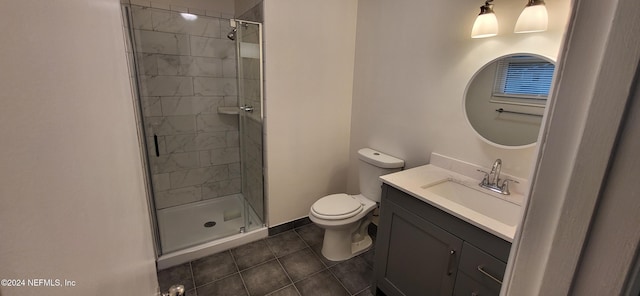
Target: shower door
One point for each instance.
(187, 71)
(250, 95)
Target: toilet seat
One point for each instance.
(336, 207)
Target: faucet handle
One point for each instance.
(485, 180)
(505, 186)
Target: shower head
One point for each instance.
(232, 34)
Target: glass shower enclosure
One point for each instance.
(199, 86)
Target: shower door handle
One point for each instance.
(155, 142)
(247, 108)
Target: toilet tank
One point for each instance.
(374, 164)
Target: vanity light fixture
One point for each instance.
(486, 24)
(533, 18)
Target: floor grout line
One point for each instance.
(327, 268)
(324, 266)
(193, 278)
(283, 269)
(235, 262)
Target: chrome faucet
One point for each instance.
(492, 179)
(494, 175)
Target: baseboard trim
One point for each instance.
(288, 226)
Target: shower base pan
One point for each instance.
(196, 230)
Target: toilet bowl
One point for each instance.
(346, 218)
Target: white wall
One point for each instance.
(413, 61)
(309, 47)
(72, 199)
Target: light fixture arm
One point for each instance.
(535, 2)
(488, 7)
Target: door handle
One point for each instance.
(155, 142)
(452, 257)
(247, 108)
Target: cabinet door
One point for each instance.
(415, 256)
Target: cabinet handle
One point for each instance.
(452, 256)
(481, 269)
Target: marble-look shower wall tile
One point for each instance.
(191, 105)
(173, 162)
(180, 143)
(212, 47)
(151, 106)
(189, 66)
(235, 170)
(199, 176)
(251, 87)
(141, 18)
(219, 156)
(161, 182)
(173, 22)
(160, 5)
(147, 64)
(161, 42)
(175, 197)
(179, 8)
(166, 86)
(196, 145)
(206, 141)
(231, 101)
(205, 86)
(222, 188)
(233, 139)
(145, 3)
(197, 11)
(206, 123)
(254, 133)
(214, 13)
(251, 68)
(229, 68)
(170, 125)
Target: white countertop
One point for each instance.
(413, 182)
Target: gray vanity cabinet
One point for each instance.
(421, 250)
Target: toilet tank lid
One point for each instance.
(379, 159)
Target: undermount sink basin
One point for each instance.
(477, 201)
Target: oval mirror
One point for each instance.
(505, 100)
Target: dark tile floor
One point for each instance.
(289, 263)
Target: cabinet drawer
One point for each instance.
(482, 267)
(465, 286)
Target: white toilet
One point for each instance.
(345, 218)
